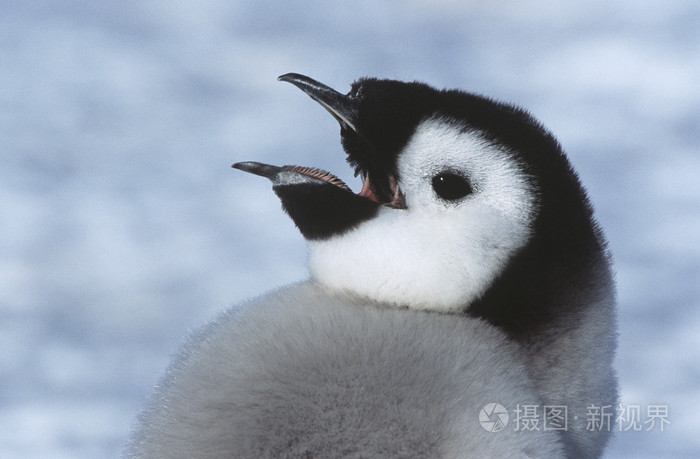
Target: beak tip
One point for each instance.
(290, 77)
(263, 170)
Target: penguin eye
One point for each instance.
(451, 186)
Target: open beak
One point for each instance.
(345, 109)
(320, 204)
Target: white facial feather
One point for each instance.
(436, 254)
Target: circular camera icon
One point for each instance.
(493, 417)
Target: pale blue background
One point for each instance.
(122, 226)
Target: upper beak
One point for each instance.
(339, 105)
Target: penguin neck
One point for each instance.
(561, 270)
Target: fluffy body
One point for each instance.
(304, 373)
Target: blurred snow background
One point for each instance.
(122, 226)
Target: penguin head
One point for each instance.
(456, 188)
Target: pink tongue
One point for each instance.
(366, 191)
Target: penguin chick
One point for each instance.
(468, 206)
(470, 249)
(306, 372)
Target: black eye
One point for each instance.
(451, 186)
